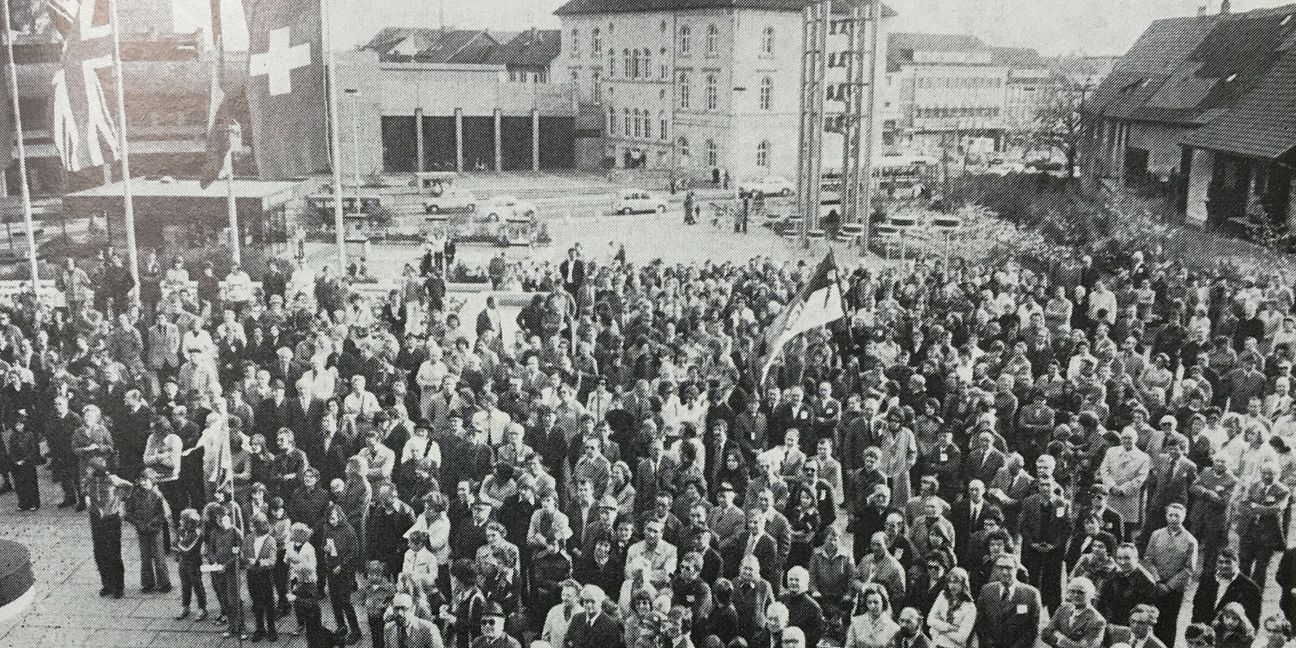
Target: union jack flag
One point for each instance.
(82, 125)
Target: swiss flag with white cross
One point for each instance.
(286, 95)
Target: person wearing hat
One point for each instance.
(603, 525)
(405, 630)
(492, 630)
(469, 535)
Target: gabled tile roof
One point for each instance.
(1263, 123)
(531, 48)
(433, 45)
(577, 7)
(1188, 71)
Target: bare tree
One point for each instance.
(1059, 126)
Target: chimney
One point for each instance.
(1225, 6)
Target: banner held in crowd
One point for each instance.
(819, 302)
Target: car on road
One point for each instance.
(771, 185)
(638, 201)
(509, 208)
(1002, 167)
(450, 201)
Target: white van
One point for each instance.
(638, 201)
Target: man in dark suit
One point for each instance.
(489, 319)
(910, 634)
(1142, 620)
(573, 272)
(1229, 585)
(984, 461)
(287, 369)
(274, 412)
(968, 515)
(751, 431)
(1128, 586)
(593, 628)
(404, 630)
(1008, 612)
(654, 474)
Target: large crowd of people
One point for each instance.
(974, 455)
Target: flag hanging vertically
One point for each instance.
(285, 88)
(819, 302)
(82, 125)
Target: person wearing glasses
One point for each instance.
(404, 630)
(492, 630)
(592, 627)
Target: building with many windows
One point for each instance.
(700, 86)
(950, 92)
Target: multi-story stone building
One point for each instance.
(700, 86)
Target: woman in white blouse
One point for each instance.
(952, 616)
(874, 627)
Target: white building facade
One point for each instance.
(701, 87)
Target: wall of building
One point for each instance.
(727, 133)
(1203, 168)
(1162, 144)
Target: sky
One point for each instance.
(1096, 27)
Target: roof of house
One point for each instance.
(577, 7)
(1189, 71)
(1021, 58)
(433, 45)
(902, 45)
(1261, 124)
(531, 48)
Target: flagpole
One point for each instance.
(127, 196)
(22, 155)
(339, 224)
(231, 205)
(236, 238)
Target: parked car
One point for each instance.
(450, 201)
(1055, 169)
(1002, 167)
(509, 208)
(638, 201)
(771, 185)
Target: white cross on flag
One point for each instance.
(82, 125)
(285, 92)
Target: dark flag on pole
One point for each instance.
(818, 303)
(286, 95)
(82, 125)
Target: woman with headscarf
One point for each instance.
(339, 553)
(1232, 628)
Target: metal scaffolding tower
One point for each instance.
(814, 57)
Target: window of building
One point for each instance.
(647, 64)
(611, 125)
(683, 91)
(762, 154)
(663, 26)
(629, 63)
(712, 154)
(765, 98)
(661, 117)
(712, 40)
(596, 44)
(712, 94)
(767, 41)
(682, 146)
(685, 40)
(638, 131)
(598, 86)
(665, 67)
(625, 121)
(611, 63)
(575, 48)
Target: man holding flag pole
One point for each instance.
(819, 302)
